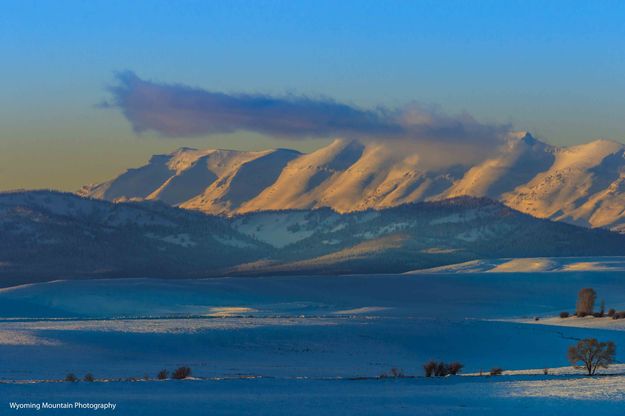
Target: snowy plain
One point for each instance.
(309, 344)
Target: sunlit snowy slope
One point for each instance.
(581, 184)
(533, 264)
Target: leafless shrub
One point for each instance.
(397, 373)
(393, 373)
(429, 368)
(455, 368)
(441, 370)
(181, 373)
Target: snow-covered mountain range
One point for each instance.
(583, 185)
(49, 235)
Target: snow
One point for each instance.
(363, 310)
(519, 160)
(181, 239)
(605, 322)
(455, 218)
(533, 264)
(66, 204)
(331, 242)
(227, 311)
(573, 187)
(488, 396)
(21, 337)
(152, 326)
(277, 229)
(583, 184)
(309, 180)
(245, 177)
(524, 265)
(613, 370)
(583, 388)
(316, 344)
(232, 242)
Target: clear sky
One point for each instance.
(555, 68)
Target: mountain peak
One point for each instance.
(519, 135)
(183, 149)
(606, 143)
(563, 183)
(523, 137)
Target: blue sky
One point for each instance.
(556, 68)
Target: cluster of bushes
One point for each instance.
(71, 378)
(441, 369)
(585, 306)
(178, 374)
(618, 315)
(611, 313)
(394, 373)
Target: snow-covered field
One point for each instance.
(459, 396)
(309, 345)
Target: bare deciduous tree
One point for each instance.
(585, 301)
(455, 368)
(592, 354)
(429, 368)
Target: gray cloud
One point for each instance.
(174, 110)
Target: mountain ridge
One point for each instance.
(49, 235)
(582, 184)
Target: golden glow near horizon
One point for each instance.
(69, 158)
(555, 73)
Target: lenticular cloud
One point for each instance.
(174, 110)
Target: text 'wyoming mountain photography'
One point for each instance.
(312, 207)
